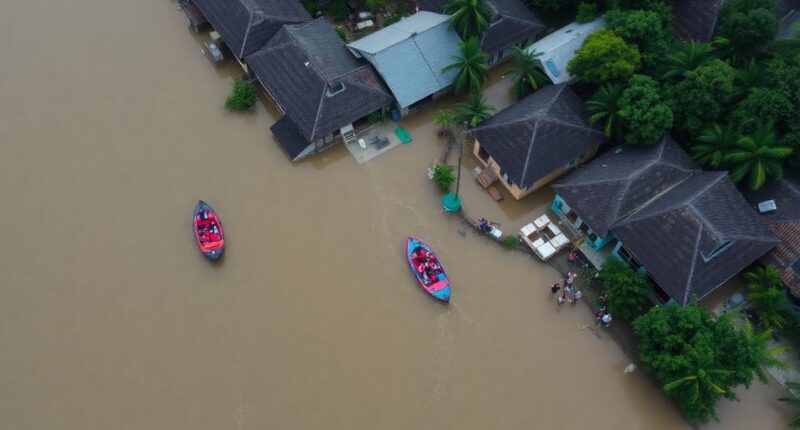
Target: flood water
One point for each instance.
(112, 129)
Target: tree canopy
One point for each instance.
(471, 66)
(526, 76)
(604, 57)
(469, 18)
(703, 96)
(626, 289)
(646, 114)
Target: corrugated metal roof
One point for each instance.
(411, 54)
(559, 47)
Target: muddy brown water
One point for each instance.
(112, 129)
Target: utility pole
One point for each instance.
(451, 203)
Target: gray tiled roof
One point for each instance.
(246, 25)
(539, 134)
(785, 224)
(696, 236)
(623, 180)
(321, 87)
(511, 22)
(696, 19)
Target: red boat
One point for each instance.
(208, 231)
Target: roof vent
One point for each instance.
(307, 63)
(568, 31)
(767, 206)
(618, 151)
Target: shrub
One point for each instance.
(509, 242)
(311, 7)
(242, 97)
(586, 12)
(339, 9)
(626, 289)
(604, 57)
(443, 175)
(374, 117)
(375, 5)
(389, 20)
(342, 32)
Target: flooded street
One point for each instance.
(112, 128)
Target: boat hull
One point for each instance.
(438, 288)
(210, 244)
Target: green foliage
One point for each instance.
(473, 111)
(374, 117)
(445, 118)
(765, 291)
(342, 32)
(762, 105)
(391, 20)
(526, 76)
(605, 106)
(586, 12)
(469, 18)
(697, 359)
(443, 176)
(471, 66)
(604, 57)
(703, 96)
(660, 7)
(792, 141)
(242, 97)
(375, 5)
(509, 242)
(626, 289)
(685, 58)
(762, 354)
(553, 5)
(339, 10)
(713, 144)
(748, 25)
(645, 30)
(647, 116)
(757, 156)
(310, 6)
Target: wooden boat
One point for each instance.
(208, 231)
(437, 285)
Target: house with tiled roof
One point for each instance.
(511, 24)
(696, 19)
(246, 25)
(687, 230)
(324, 92)
(537, 139)
(780, 209)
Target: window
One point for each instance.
(717, 251)
(482, 154)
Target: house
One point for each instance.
(696, 19)
(687, 230)
(783, 218)
(409, 55)
(323, 91)
(246, 25)
(558, 47)
(511, 24)
(536, 140)
(788, 14)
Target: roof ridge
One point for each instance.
(246, 33)
(693, 198)
(569, 124)
(690, 278)
(413, 38)
(530, 149)
(320, 102)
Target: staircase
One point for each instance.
(349, 135)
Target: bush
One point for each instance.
(586, 12)
(626, 289)
(339, 9)
(374, 117)
(509, 242)
(604, 57)
(242, 97)
(342, 32)
(375, 5)
(443, 176)
(389, 20)
(311, 7)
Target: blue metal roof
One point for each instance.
(410, 55)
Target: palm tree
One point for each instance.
(713, 144)
(604, 106)
(527, 76)
(792, 400)
(474, 111)
(758, 156)
(724, 48)
(701, 376)
(763, 355)
(685, 59)
(469, 18)
(748, 77)
(764, 290)
(471, 66)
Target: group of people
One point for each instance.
(207, 228)
(484, 225)
(569, 293)
(426, 265)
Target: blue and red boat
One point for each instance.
(208, 231)
(427, 269)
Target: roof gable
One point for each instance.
(539, 134)
(511, 23)
(246, 25)
(309, 72)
